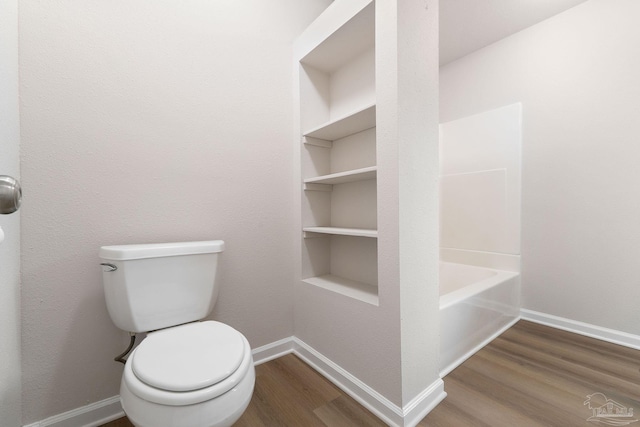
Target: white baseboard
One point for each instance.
(102, 412)
(581, 328)
(422, 404)
(272, 351)
(384, 409)
(92, 415)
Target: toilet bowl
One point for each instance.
(186, 372)
(194, 375)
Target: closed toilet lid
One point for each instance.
(188, 357)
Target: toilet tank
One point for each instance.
(154, 286)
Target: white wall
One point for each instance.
(577, 78)
(10, 378)
(150, 121)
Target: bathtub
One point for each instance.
(476, 305)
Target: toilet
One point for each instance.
(186, 372)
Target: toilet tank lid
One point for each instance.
(157, 250)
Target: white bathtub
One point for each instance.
(476, 305)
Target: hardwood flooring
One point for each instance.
(533, 375)
(530, 376)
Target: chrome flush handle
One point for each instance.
(110, 267)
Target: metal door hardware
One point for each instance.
(10, 194)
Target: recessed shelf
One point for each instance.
(351, 288)
(355, 122)
(344, 177)
(356, 232)
(348, 41)
(335, 61)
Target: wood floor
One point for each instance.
(531, 375)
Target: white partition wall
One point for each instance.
(366, 304)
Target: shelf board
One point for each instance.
(356, 232)
(351, 288)
(344, 43)
(355, 122)
(346, 176)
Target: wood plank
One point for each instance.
(448, 414)
(540, 382)
(346, 412)
(569, 368)
(484, 407)
(278, 405)
(311, 388)
(515, 393)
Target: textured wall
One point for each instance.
(150, 121)
(10, 383)
(577, 78)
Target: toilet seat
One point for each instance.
(188, 364)
(188, 357)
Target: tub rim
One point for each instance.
(468, 291)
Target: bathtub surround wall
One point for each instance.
(148, 121)
(576, 76)
(10, 377)
(480, 188)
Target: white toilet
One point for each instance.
(185, 373)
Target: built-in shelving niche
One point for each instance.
(338, 122)
(343, 264)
